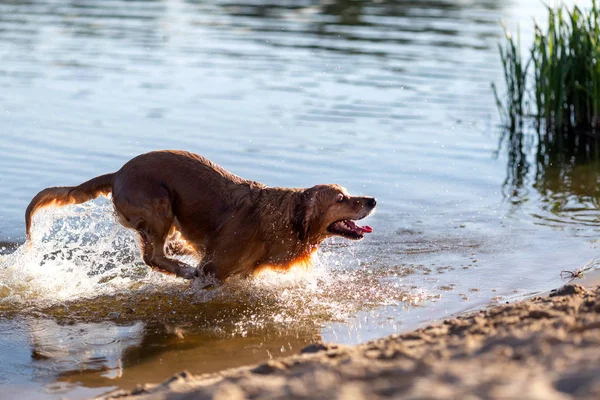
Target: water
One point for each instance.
(389, 99)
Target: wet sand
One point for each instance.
(544, 348)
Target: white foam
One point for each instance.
(75, 251)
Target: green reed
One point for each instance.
(515, 77)
(565, 89)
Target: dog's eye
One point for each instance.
(340, 197)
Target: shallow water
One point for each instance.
(389, 99)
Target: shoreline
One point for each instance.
(546, 347)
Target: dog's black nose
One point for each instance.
(372, 202)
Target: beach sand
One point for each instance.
(543, 348)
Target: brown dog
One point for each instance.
(237, 226)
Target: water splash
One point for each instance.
(75, 252)
(81, 258)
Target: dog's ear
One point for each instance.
(303, 214)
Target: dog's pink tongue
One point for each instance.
(359, 229)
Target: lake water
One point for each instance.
(389, 99)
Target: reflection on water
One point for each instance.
(99, 354)
(387, 98)
(564, 169)
(81, 346)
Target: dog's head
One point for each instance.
(328, 210)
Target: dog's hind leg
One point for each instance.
(153, 254)
(151, 215)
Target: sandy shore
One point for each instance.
(544, 348)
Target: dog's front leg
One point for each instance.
(221, 269)
(211, 269)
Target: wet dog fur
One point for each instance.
(236, 226)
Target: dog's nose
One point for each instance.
(372, 202)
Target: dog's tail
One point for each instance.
(64, 195)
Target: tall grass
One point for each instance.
(513, 108)
(565, 91)
(554, 88)
(515, 77)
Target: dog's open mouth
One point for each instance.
(349, 229)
